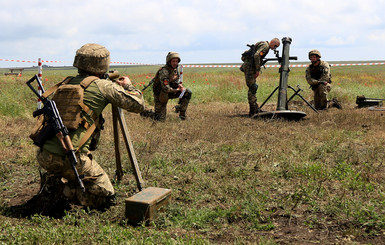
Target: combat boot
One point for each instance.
(109, 201)
(336, 103)
(177, 108)
(50, 201)
(148, 113)
(257, 109)
(252, 110)
(182, 115)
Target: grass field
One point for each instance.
(234, 180)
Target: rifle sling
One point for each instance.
(53, 89)
(90, 129)
(88, 134)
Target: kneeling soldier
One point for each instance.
(319, 78)
(92, 61)
(167, 86)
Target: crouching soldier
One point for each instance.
(92, 61)
(318, 77)
(167, 86)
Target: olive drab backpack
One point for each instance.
(73, 112)
(248, 56)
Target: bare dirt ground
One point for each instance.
(288, 229)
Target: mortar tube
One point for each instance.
(284, 70)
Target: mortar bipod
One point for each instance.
(118, 116)
(296, 92)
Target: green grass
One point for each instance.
(234, 179)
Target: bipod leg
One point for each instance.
(119, 169)
(130, 149)
(296, 92)
(268, 97)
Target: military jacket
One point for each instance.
(261, 50)
(166, 80)
(97, 96)
(316, 74)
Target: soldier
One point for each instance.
(252, 67)
(167, 86)
(92, 61)
(319, 78)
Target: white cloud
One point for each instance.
(378, 37)
(201, 30)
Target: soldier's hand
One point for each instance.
(123, 81)
(256, 74)
(180, 87)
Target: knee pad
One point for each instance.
(187, 94)
(253, 88)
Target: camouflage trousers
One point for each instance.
(96, 181)
(251, 83)
(161, 101)
(320, 96)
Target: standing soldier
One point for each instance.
(167, 86)
(319, 78)
(252, 66)
(92, 61)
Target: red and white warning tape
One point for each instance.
(201, 66)
(130, 63)
(54, 61)
(209, 66)
(29, 61)
(292, 65)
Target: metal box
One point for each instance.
(145, 205)
(368, 103)
(361, 101)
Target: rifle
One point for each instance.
(181, 81)
(55, 125)
(249, 54)
(153, 80)
(149, 84)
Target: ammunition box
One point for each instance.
(145, 205)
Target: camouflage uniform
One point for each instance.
(315, 76)
(51, 156)
(165, 86)
(262, 49)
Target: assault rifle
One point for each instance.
(249, 54)
(149, 84)
(181, 82)
(54, 126)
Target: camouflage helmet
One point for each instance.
(92, 58)
(172, 55)
(314, 52)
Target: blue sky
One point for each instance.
(210, 31)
